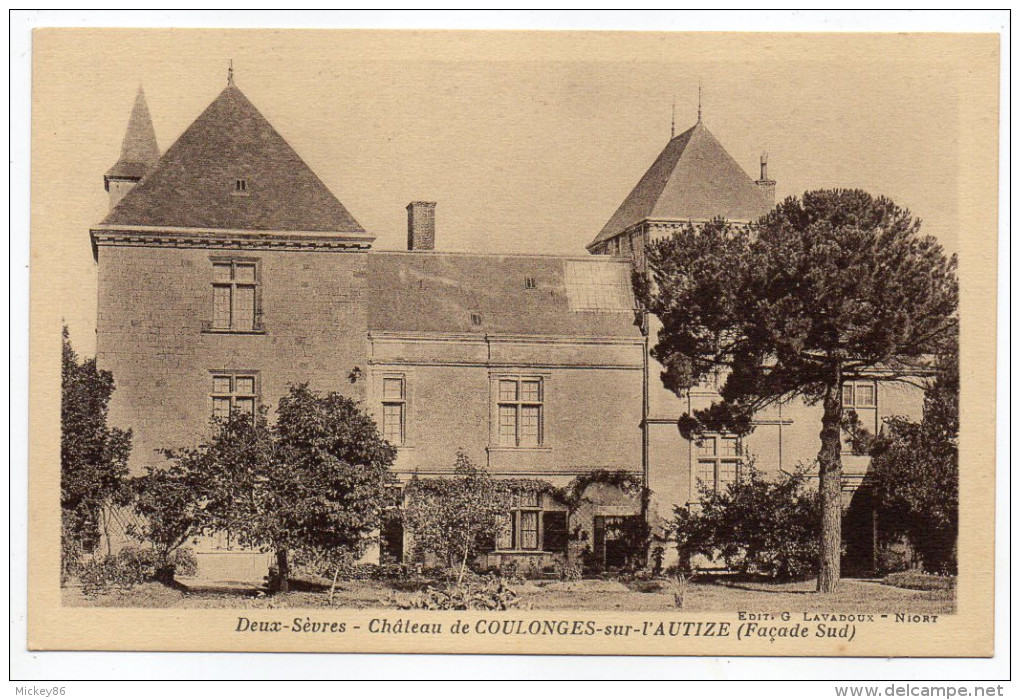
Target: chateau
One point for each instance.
(228, 271)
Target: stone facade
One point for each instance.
(535, 366)
(154, 333)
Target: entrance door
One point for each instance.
(391, 538)
(612, 550)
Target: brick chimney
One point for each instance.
(421, 226)
(766, 186)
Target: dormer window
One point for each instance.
(241, 186)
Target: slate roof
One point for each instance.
(438, 292)
(194, 183)
(139, 152)
(694, 178)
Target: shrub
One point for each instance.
(71, 553)
(125, 569)
(644, 585)
(184, 562)
(484, 594)
(132, 566)
(921, 581)
(569, 571)
(756, 526)
(510, 568)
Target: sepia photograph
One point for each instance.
(513, 342)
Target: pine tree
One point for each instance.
(821, 288)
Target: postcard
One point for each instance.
(513, 342)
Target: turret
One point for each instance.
(138, 154)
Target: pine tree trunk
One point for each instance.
(830, 473)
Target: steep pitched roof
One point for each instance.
(693, 178)
(139, 151)
(429, 292)
(194, 185)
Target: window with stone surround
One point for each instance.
(236, 301)
(861, 397)
(532, 526)
(717, 461)
(234, 393)
(519, 411)
(394, 409)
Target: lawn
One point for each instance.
(852, 596)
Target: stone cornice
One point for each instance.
(671, 224)
(235, 239)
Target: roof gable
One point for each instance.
(694, 178)
(195, 183)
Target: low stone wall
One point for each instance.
(248, 567)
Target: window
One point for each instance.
(394, 410)
(529, 283)
(235, 299)
(718, 461)
(519, 408)
(241, 186)
(528, 527)
(232, 394)
(528, 520)
(476, 319)
(861, 397)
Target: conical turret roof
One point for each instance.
(694, 178)
(139, 151)
(232, 170)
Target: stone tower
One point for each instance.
(693, 180)
(138, 153)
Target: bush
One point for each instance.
(645, 585)
(568, 571)
(510, 569)
(71, 554)
(123, 570)
(921, 581)
(393, 572)
(756, 526)
(484, 594)
(134, 565)
(184, 562)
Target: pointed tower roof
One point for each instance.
(139, 151)
(231, 170)
(694, 178)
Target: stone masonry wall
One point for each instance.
(154, 304)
